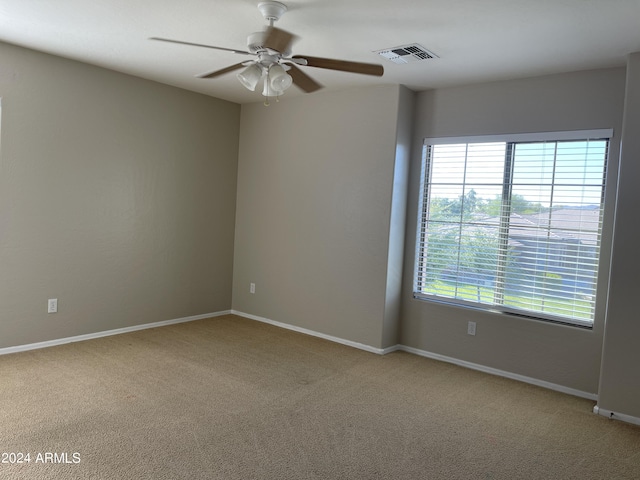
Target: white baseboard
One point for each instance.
(360, 346)
(616, 416)
(501, 373)
(117, 331)
(424, 353)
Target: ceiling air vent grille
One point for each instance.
(406, 53)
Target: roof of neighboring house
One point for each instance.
(563, 224)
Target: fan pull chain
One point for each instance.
(266, 86)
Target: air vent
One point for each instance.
(406, 53)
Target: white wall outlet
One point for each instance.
(52, 305)
(471, 328)
(252, 288)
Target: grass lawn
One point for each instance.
(569, 307)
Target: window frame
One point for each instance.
(509, 139)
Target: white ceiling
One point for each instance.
(476, 40)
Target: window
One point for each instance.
(513, 224)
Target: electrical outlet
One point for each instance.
(252, 288)
(52, 305)
(471, 328)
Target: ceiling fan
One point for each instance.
(274, 66)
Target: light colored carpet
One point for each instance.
(230, 398)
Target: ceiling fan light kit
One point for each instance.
(275, 66)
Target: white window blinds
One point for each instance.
(513, 225)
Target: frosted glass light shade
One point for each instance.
(279, 80)
(267, 89)
(250, 76)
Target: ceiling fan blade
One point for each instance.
(302, 80)
(279, 40)
(222, 71)
(242, 52)
(343, 65)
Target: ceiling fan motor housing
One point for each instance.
(255, 44)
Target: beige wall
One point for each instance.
(620, 379)
(398, 220)
(116, 197)
(562, 355)
(315, 191)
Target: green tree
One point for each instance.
(455, 209)
(519, 204)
